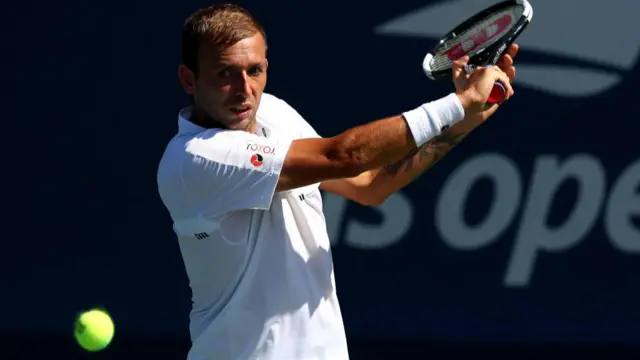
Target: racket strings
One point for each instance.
(441, 60)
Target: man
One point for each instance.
(241, 182)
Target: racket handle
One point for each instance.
(498, 93)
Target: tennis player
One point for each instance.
(241, 182)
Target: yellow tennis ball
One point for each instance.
(94, 330)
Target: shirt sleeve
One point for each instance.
(233, 170)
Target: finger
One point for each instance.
(511, 73)
(504, 80)
(513, 50)
(484, 73)
(463, 60)
(505, 63)
(458, 66)
(502, 77)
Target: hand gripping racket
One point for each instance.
(484, 37)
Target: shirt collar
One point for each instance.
(184, 125)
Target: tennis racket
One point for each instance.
(483, 37)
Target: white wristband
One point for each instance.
(430, 119)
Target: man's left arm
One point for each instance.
(374, 187)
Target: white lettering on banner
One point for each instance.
(453, 197)
(623, 204)
(533, 236)
(397, 217)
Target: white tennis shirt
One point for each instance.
(259, 262)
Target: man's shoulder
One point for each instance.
(271, 105)
(277, 113)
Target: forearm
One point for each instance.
(389, 140)
(392, 177)
(375, 144)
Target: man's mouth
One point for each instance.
(241, 110)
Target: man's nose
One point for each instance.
(242, 84)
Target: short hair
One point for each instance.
(221, 24)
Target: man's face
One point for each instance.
(230, 81)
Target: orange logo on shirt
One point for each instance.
(256, 160)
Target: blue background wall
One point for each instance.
(528, 232)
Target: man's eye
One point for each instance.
(255, 71)
(224, 73)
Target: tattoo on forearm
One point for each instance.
(436, 149)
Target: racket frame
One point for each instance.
(490, 54)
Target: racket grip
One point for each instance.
(498, 93)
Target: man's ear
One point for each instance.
(187, 79)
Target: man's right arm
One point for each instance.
(348, 154)
(384, 141)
